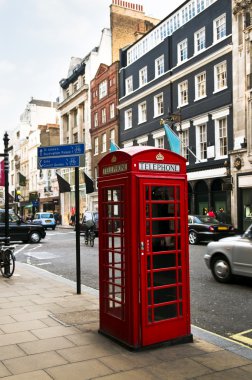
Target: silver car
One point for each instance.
(230, 256)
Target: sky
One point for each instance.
(38, 39)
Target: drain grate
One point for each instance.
(76, 317)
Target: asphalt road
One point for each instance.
(225, 309)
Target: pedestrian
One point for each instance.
(211, 213)
(222, 217)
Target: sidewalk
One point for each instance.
(47, 331)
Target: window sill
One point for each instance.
(202, 97)
(219, 90)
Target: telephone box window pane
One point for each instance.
(147, 194)
(165, 295)
(163, 244)
(179, 275)
(165, 312)
(164, 278)
(149, 276)
(179, 259)
(180, 292)
(160, 227)
(164, 261)
(163, 210)
(147, 227)
(147, 211)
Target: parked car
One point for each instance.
(230, 256)
(46, 219)
(90, 215)
(19, 230)
(205, 228)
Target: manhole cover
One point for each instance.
(76, 317)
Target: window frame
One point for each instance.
(103, 89)
(142, 112)
(182, 52)
(218, 33)
(128, 119)
(158, 106)
(180, 94)
(159, 66)
(198, 86)
(217, 87)
(129, 85)
(143, 76)
(198, 41)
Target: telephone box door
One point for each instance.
(163, 246)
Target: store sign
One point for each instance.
(159, 167)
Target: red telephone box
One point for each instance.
(143, 247)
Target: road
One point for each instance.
(224, 309)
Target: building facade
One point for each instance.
(241, 155)
(183, 67)
(104, 117)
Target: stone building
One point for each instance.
(241, 155)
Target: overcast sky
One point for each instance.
(37, 40)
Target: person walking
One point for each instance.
(211, 213)
(222, 218)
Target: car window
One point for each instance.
(37, 216)
(47, 215)
(206, 219)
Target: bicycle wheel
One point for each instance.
(7, 266)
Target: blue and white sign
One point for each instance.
(61, 150)
(58, 162)
(61, 156)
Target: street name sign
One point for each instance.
(61, 156)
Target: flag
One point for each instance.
(89, 184)
(2, 175)
(173, 139)
(64, 186)
(22, 179)
(113, 147)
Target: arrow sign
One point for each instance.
(58, 162)
(61, 150)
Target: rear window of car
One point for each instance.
(44, 216)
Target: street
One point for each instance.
(224, 309)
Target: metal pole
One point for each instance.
(77, 229)
(6, 179)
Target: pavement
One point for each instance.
(47, 331)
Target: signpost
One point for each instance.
(66, 156)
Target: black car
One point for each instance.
(90, 215)
(205, 228)
(19, 230)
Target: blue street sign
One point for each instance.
(61, 150)
(58, 162)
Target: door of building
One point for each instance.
(163, 260)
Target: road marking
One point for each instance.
(224, 337)
(21, 249)
(40, 255)
(40, 264)
(241, 337)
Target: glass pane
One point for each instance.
(163, 244)
(165, 295)
(165, 312)
(164, 261)
(160, 227)
(164, 278)
(147, 196)
(147, 227)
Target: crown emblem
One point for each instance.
(113, 159)
(159, 157)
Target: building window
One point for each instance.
(159, 142)
(75, 117)
(185, 143)
(158, 105)
(201, 142)
(75, 86)
(219, 26)
(104, 143)
(103, 115)
(96, 145)
(159, 66)
(75, 138)
(112, 111)
(143, 76)
(183, 93)
(129, 85)
(128, 119)
(200, 5)
(199, 40)
(220, 76)
(221, 137)
(112, 135)
(200, 86)
(142, 112)
(96, 119)
(103, 89)
(182, 51)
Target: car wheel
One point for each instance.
(193, 238)
(34, 237)
(221, 269)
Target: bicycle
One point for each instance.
(89, 237)
(7, 261)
